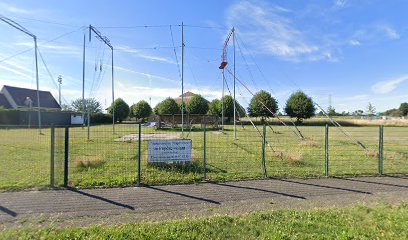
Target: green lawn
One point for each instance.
(102, 161)
(379, 222)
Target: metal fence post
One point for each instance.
(66, 156)
(139, 154)
(326, 150)
(380, 151)
(52, 156)
(263, 151)
(205, 152)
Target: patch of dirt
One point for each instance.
(149, 136)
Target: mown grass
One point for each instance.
(104, 161)
(361, 222)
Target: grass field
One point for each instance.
(378, 222)
(109, 160)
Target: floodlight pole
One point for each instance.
(182, 79)
(107, 42)
(83, 82)
(235, 107)
(59, 89)
(24, 30)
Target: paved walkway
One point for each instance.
(166, 199)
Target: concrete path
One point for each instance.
(239, 197)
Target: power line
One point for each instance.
(175, 53)
(48, 41)
(49, 73)
(208, 27)
(139, 26)
(46, 21)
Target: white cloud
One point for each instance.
(354, 42)
(375, 32)
(13, 9)
(340, 3)
(389, 32)
(52, 48)
(388, 86)
(267, 30)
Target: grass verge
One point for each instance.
(359, 222)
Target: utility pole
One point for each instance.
(235, 107)
(59, 89)
(106, 40)
(24, 30)
(222, 108)
(182, 79)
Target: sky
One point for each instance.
(352, 52)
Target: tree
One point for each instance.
(91, 105)
(140, 110)
(370, 110)
(121, 109)
(358, 112)
(167, 106)
(404, 108)
(229, 107)
(393, 113)
(197, 105)
(259, 101)
(299, 105)
(214, 108)
(331, 111)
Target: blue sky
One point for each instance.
(355, 51)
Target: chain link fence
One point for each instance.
(103, 156)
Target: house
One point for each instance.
(24, 99)
(187, 97)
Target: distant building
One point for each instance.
(24, 98)
(187, 97)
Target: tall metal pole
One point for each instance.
(24, 30)
(83, 83)
(182, 79)
(38, 85)
(235, 107)
(59, 89)
(222, 109)
(113, 97)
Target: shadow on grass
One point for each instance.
(247, 150)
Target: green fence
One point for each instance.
(77, 157)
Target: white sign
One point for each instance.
(169, 151)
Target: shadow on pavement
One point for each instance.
(183, 195)
(378, 183)
(8, 211)
(101, 198)
(322, 186)
(258, 189)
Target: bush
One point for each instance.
(101, 118)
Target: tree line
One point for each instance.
(262, 105)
